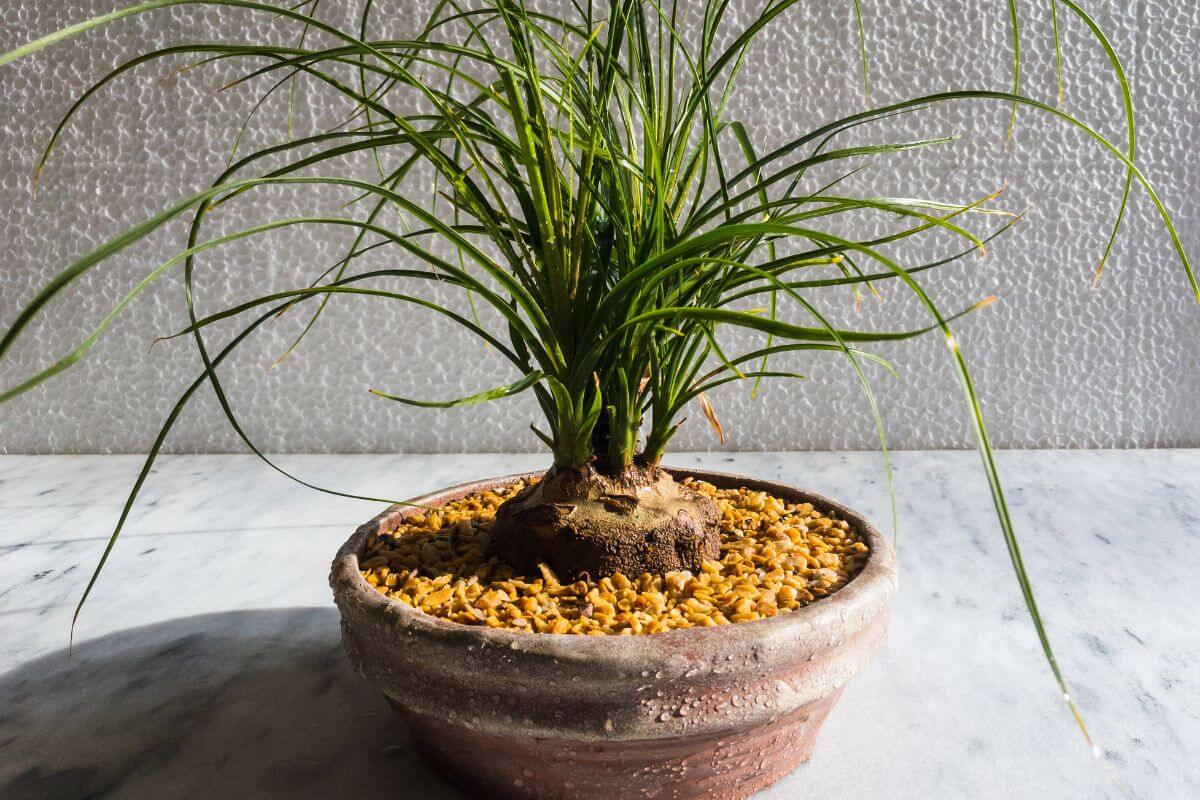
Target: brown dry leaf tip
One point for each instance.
(775, 557)
(709, 413)
(645, 380)
(985, 302)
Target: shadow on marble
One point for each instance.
(242, 704)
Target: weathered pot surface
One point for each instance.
(697, 713)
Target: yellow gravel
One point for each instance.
(775, 557)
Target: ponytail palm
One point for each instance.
(599, 200)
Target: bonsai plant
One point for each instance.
(607, 223)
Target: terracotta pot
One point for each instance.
(699, 713)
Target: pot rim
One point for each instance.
(860, 598)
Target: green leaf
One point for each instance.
(480, 397)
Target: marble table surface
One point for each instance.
(207, 661)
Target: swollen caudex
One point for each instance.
(775, 557)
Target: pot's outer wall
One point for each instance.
(709, 712)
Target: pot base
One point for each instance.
(731, 766)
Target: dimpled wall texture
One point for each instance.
(1058, 364)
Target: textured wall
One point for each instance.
(1057, 363)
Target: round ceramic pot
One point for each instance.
(697, 713)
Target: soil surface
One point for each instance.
(773, 557)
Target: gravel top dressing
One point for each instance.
(775, 557)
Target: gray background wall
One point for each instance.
(1058, 364)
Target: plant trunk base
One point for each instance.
(585, 522)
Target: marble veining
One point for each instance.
(207, 662)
